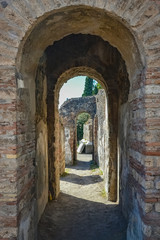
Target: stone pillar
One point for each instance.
(69, 138)
(113, 133)
(87, 130)
(95, 137)
(61, 149)
(53, 146)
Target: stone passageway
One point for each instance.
(81, 211)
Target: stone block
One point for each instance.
(158, 184)
(88, 148)
(149, 184)
(157, 207)
(148, 207)
(147, 230)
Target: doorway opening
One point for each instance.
(111, 73)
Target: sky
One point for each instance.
(72, 88)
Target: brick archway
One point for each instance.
(133, 29)
(86, 52)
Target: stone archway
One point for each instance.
(93, 53)
(22, 48)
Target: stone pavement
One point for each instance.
(81, 211)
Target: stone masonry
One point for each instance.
(44, 43)
(88, 130)
(69, 112)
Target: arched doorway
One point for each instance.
(75, 54)
(111, 25)
(80, 53)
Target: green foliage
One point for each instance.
(99, 86)
(88, 87)
(91, 87)
(96, 88)
(81, 120)
(66, 172)
(100, 172)
(103, 193)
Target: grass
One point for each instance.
(94, 167)
(103, 193)
(100, 172)
(66, 173)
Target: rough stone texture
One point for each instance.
(102, 129)
(69, 112)
(130, 26)
(61, 149)
(88, 130)
(101, 139)
(41, 139)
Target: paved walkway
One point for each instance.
(81, 211)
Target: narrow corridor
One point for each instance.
(81, 211)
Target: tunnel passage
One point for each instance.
(93, 110)
(133, 28)
(91, 51)
(82, 53)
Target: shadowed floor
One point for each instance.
(81, 211)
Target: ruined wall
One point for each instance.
(26, 171)
(61, 149)
(69, 111)
(41, 160)
(101, 136)
(69, 137)
(102, 128)
(88, 130)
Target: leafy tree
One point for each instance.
(91, 87)
(96, 88)
(88, 87)
(81, 120)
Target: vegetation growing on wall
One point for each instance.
(96, 88)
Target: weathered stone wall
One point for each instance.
(41, 160)
(101, 135)
(88, 130)
(133, 28)
(102, 129)
(61, 149)
(69, 111)
(26, 188)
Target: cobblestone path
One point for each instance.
(81, 211)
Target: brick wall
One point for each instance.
(136, 23)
